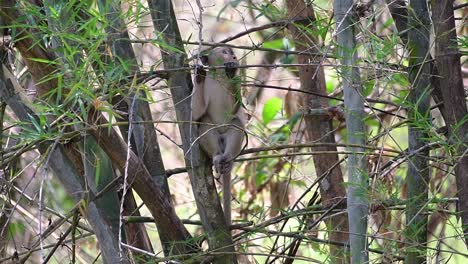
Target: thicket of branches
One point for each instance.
(357, 132)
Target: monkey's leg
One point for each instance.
(233, 140)
(210, 142)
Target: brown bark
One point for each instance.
(140, 179)
(399, 13)
(136, 233)
(450, 79)
(418, 172)
(318, 128)
(144, 138)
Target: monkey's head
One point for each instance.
(222, 56)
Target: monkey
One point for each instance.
(216, 104)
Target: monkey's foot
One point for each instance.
(223, 164)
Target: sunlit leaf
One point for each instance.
(271, 108)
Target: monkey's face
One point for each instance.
(224, 56)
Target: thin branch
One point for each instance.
(279, 23)
(460, 6)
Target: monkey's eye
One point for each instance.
(224, 52)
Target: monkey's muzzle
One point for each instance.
(231, 69)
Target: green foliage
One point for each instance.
(89, 74)
(276, 43)
(317, 29)
(271, 108)
(58, 198)
(269, 10)
(368, 87)
(16, 229)
(262, 174)
(462, 42)
(281, 44)
(231, 3)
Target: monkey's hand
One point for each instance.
(200, 73)
(223, 164)
(231, 69)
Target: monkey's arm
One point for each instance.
(199, 106)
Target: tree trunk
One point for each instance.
(201, 177)
(419, 119)
(450, 79)
(144, 138)
(356, 131)
(319, 129)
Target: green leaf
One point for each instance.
(271, 108)
(368, 87)
(330, 86)
(269, 11)
(43, 60)
(260, 178)
(35, 123)
(54, 13)
(274, 44)
(279, 138)
(97, 172)
(16, 228)
(293, 120)
(232, 3)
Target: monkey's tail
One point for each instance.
(226, 178)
